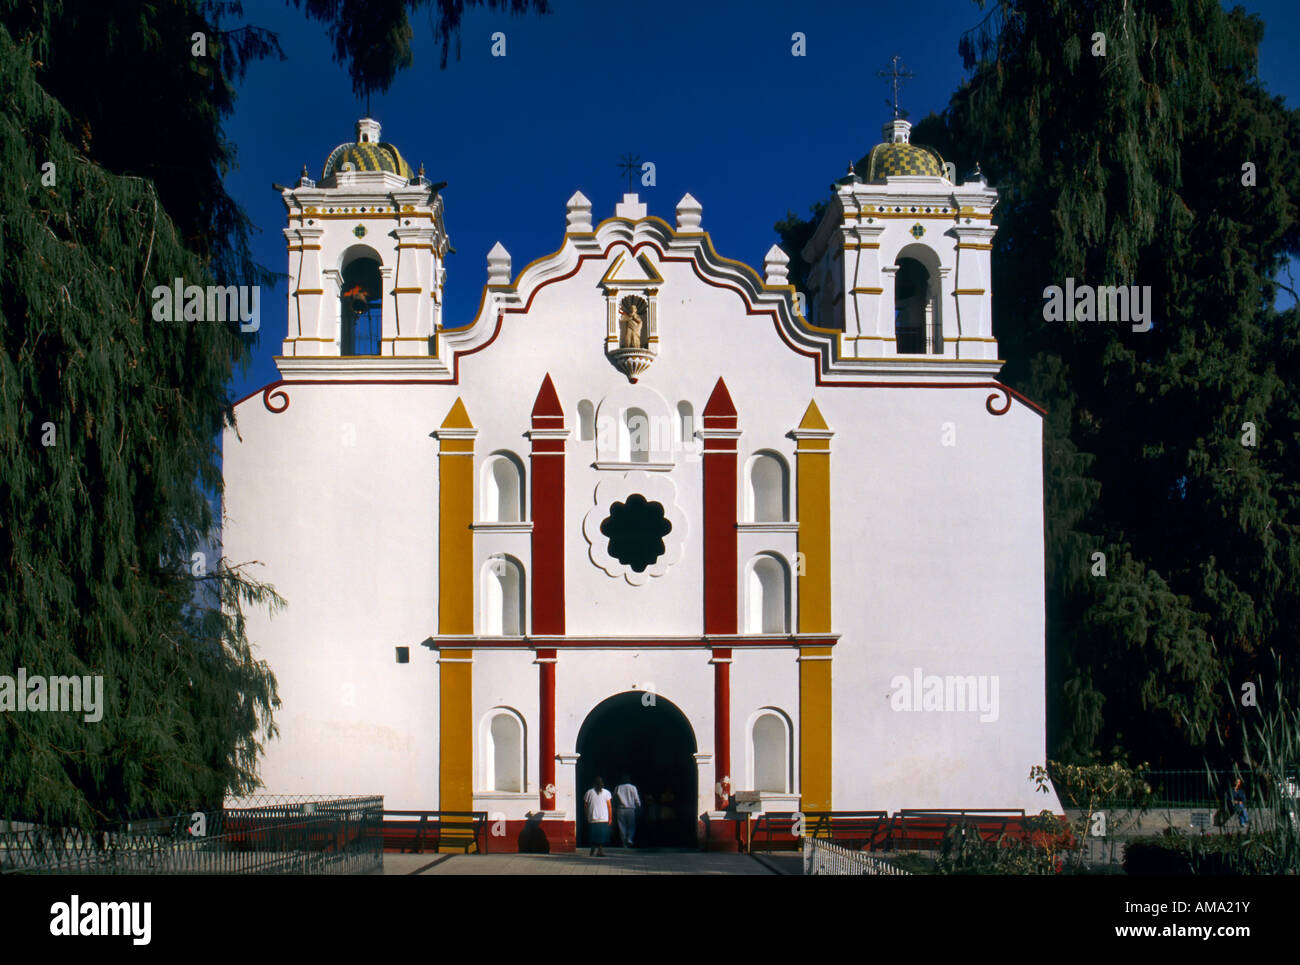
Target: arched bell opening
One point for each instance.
(361, 311)
(918, 327)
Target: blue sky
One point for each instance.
(709, 92)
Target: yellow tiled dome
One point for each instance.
(898, 157)
(367, 153)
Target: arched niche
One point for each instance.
(586, 421)
(501, 489)
(770, 751)
(636, 428)
(767, 594)
(767, 488)
(503, 738)
(686, 422)
(502, 597)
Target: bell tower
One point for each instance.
(366, 246)
(901, 259)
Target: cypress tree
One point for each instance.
(108, 421)
(1124, 165)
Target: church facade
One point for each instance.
(649, 513)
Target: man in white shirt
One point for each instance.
(599, 812)
(626, 801)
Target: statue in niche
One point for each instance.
(632, 312)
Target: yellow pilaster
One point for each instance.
(815, 728)
(456, 608)
(813, 466)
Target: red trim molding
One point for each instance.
(548, 438)
(547, 501)
(721, 727)
(737, 641)
(546, 728)
(720, 431)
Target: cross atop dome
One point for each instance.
(896, 77)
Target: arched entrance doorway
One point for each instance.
(649, 739)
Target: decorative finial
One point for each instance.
(421, 169)
(850, 172)
(896, 77)
(304, 179)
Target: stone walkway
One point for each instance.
(617, 862)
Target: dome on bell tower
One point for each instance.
(898, 156)
(367, 153)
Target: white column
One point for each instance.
(388, 312)
(414, 280)
(973, 292)
(306, 292)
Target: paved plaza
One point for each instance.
(617, 861)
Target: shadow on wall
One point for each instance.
(532, 839)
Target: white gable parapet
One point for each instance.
(853, 227)
(770, 303)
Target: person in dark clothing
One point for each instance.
(1239, 804)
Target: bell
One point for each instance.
(356, 299)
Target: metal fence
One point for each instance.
(281, 835)
(823, 858)
(1178, 789)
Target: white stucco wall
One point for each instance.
(937, 553)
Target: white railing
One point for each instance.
(824, 858)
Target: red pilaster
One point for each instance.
(546, 674)
(720, 432)
(722, 725)
(547, 463)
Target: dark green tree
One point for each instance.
(1127, 168)
(107, 422)
(373, 37)
(109, 463)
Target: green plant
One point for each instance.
(1269, 732)
(965, 852)
(1091, 787)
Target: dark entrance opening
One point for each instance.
(646, 737)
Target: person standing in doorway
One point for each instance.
(600, 815)
(626, 802)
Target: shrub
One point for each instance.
(1175, 852)
(1037, 852)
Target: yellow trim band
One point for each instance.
(813, 466)
(456, 613)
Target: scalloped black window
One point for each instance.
(636, 531)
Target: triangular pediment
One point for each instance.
(631, 271)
